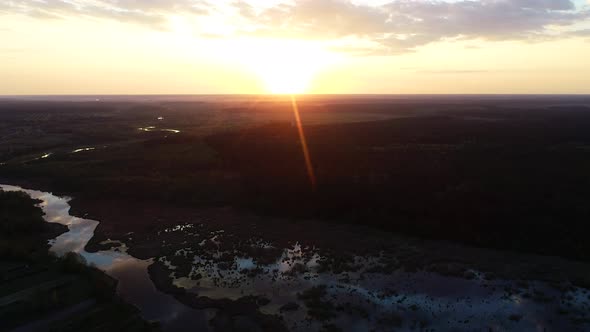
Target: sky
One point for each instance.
(294, 46)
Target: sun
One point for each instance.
(286, 67)
(286, 78)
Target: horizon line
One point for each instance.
(286, 95)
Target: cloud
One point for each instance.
(402, 25)
(323, 19)
(154, 13)
(581, 33)
(396, 27)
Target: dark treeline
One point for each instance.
(488, 175)
(512, 180)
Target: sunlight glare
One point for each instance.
(286, 67)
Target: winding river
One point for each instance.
(447, 303)
(134, 283)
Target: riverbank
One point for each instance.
(43, 292)
(240, 270)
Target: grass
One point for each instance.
(317, 307)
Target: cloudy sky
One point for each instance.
(315, 46)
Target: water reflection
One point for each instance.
(83, 150)
(443, 303)
(134, 283)
(153, 128)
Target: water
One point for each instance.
(419, 299)
(134, 283)
(83, 150)
(414, 300)
(153, 128)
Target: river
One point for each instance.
(441, 302)
(134, 283)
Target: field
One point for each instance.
(447, 185)
(502, 173)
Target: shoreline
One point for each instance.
(396, 255)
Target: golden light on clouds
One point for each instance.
(297, 46)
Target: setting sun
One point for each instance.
(286, 67)
(295, 165)
(292, 78)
